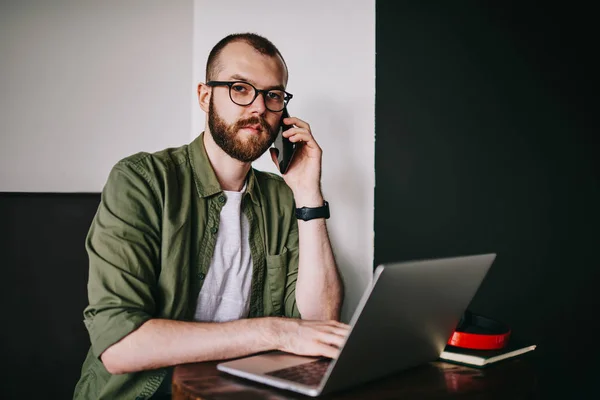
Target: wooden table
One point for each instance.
(510, 379)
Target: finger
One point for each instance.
(325, 332)
(300, 136)
(332, 339)
(341, 332)
(293, 131)
(321, 349)
(297, 121)
(343, 326)
(337, 330)
(303, 136)
(336, 324)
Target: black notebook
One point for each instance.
(481, 358)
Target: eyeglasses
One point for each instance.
(243, 94)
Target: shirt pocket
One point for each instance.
(276, 278)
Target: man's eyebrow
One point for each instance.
(243, 78)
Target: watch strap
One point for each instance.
(308, 213)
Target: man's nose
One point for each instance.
(258, 105)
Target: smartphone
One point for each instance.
(285, 148)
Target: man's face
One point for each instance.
(245, 132)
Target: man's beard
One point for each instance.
(227, 136)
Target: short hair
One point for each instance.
(259, 43)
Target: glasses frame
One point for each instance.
(286, 98)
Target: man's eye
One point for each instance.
(275, 96)
(239, 88)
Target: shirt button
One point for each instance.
(222, 199)
(201, 276)
(214, 229)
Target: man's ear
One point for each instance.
(204, 94)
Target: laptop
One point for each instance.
(404, 319)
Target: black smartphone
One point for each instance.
(285, 148)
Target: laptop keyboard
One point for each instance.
(310, 373)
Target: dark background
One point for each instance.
(44, 269)
(484, 144)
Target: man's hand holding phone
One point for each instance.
(303, 175)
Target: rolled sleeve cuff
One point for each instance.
(106, 330)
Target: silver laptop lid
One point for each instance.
(406, 317)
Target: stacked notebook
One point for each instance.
(482, 358)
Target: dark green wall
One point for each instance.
(484, 144)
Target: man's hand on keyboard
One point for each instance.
(309, 338)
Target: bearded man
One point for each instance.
(196, 256)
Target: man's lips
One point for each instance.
(256, 128)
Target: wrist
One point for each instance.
(309, 199)
(272, 332)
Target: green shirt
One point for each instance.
(150, 245)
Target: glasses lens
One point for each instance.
(275, 100)
(241, 93)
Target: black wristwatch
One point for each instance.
(308, 213)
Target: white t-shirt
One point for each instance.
(225, 294)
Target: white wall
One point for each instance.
(84, 83)
(329, 47)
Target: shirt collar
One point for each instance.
(205, 177)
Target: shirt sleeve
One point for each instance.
(123, 246)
